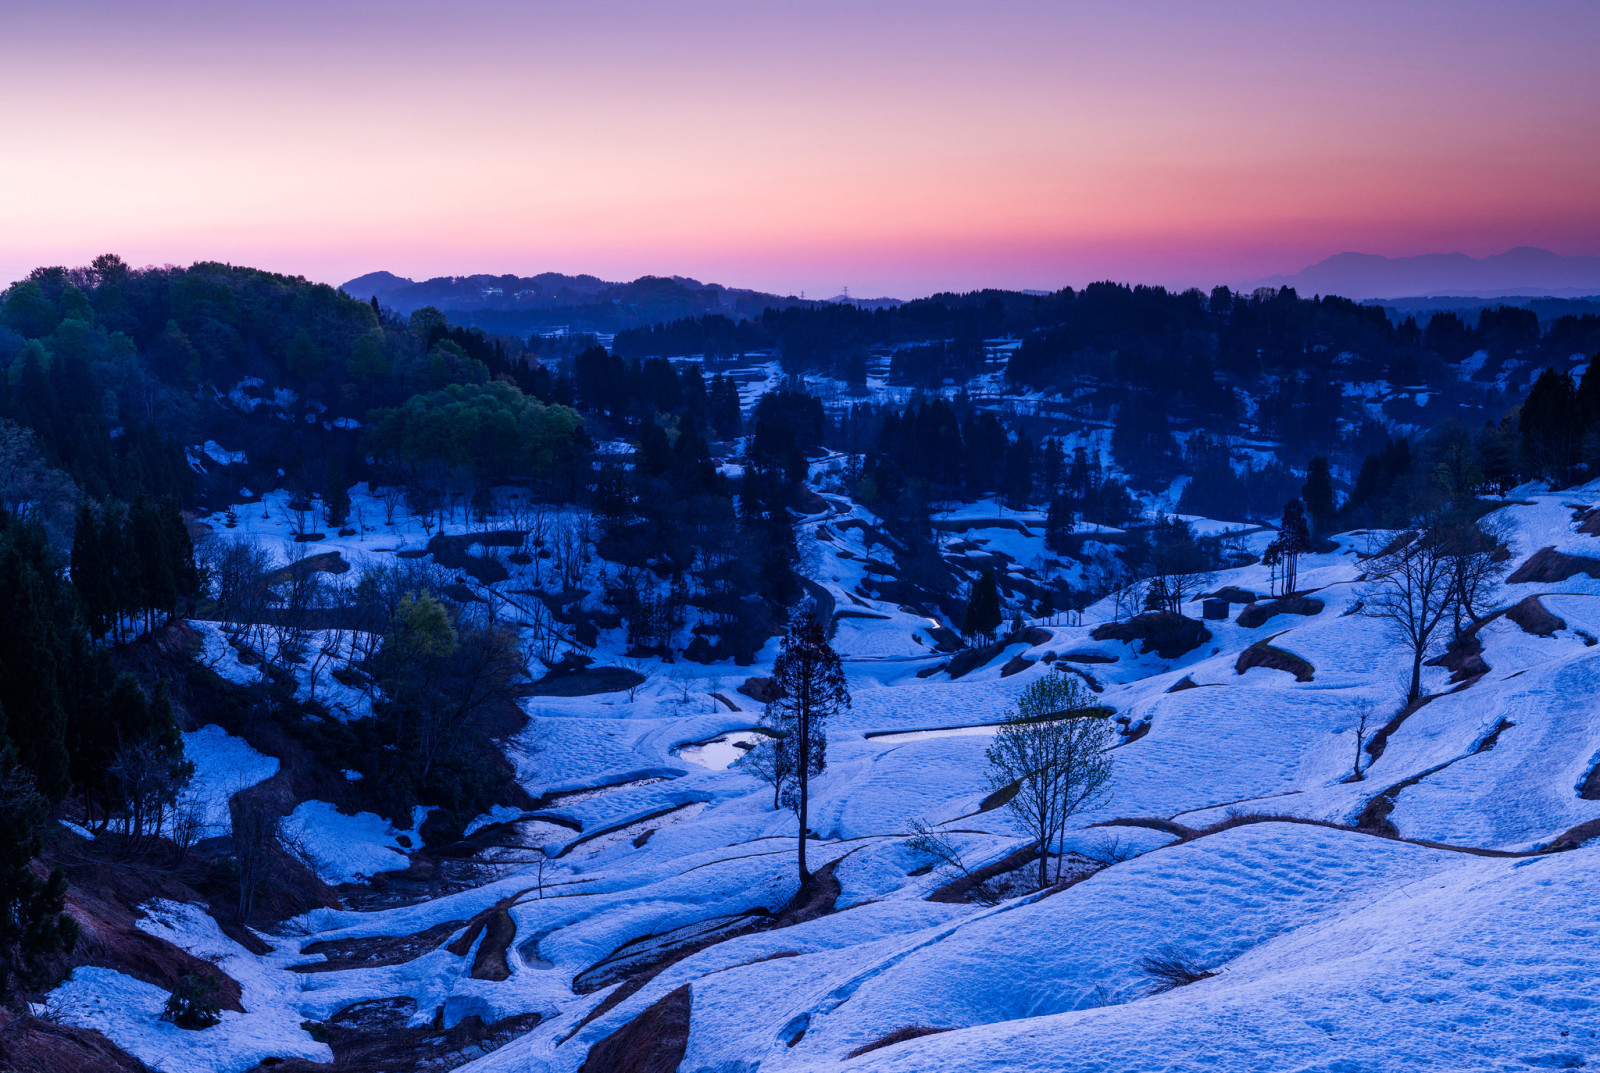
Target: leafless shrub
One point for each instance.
(940, 851)
(1169, 969)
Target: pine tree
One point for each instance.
(983, 609)
(1318, 496)
(1293, 540)
(809, 687)
(92, 573)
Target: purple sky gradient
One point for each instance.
(895, 148)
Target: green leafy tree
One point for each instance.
(1052, 756)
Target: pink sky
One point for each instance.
(897, 148)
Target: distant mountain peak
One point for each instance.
(1522, 270)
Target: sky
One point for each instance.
(892, 148)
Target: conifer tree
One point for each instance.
(34, 932)
(983, 609)
(809, 687)
(1317, 493)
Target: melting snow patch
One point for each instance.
(223, 765)
(128, 1011)
(348, 849)
(498, 814)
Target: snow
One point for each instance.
(223, 765)
(346, 849)
(128, 1010)
(1333, 949)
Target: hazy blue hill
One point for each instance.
(1524, 271)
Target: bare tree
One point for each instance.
(256, 829)
(808, 683)
(1363, 715)
(1056, 753)
(1409, 589)
(1475, 552)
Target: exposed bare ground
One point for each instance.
(653, 1042)
(1535, 618)
(899, 1035)
(31, 1045)
(1262, 654)
(1548, 565)
(1257, 614)
(378, 950)
(1167, 635)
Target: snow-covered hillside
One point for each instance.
(647, 906)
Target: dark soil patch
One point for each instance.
(1590, 790)
(376, 951)
(1014, 665)
(1034, 636)
(1002, 796)
(374, 1037)
(1261, 654)
(1464, 658)
(1183, 683)
(1167, 635)
(760, 690)
(1258, 614)
(584, 683)
(899, 1035)
(1380, 740)
(1549, 565)
(328, 562)
(816, 897)
(944, 639)
(104, 897)
(29, 1045)
(1233, 594)
(653, 1042)
(965, 662)
(1535, 618)
(1088, 657)
(1575, 837)
(960, 889)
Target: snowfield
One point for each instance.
(1227, 844)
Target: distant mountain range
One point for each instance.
(1526, 271)
(522, 304)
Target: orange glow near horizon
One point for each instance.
(894, 148)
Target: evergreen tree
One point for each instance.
(1317, 493)
(1019, 472)
(34, 932)
(983, 609)
(93, 573)
(809, 687)
(40, 614)
(1549, 425)
(1293, 540)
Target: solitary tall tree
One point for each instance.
(809, 687)
(983, 608)
(1293, 540)
(1318, 495)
